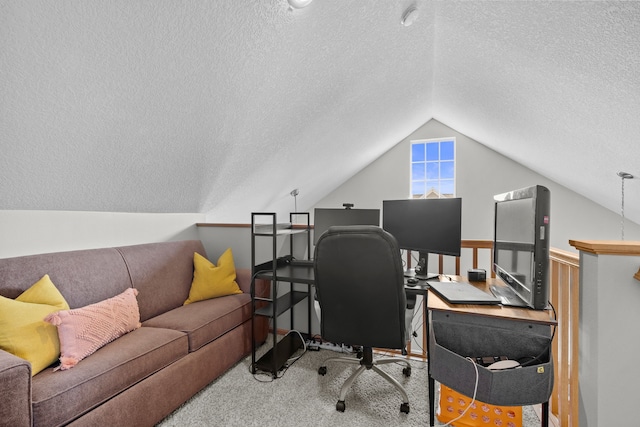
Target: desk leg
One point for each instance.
(544, 415)
(432, 397)
(432, 382)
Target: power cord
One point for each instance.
(255, 376)
(253, 279)
(405, 261)
(292, 359)
(417, 314)
(548, 346)
(473, 399)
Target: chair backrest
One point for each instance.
(360, 287)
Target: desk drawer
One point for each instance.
(453, 337)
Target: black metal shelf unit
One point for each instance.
(286, 269)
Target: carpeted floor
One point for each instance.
(301, 397)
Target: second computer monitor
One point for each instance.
(323, 218)
(425, 225)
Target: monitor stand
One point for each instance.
(507, 296)
(421, 272)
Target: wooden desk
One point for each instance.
(478, 319)
(434, 302)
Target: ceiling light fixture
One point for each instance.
(623, 175)
(299, 4)
(409, 16)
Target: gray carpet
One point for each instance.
(301, 397)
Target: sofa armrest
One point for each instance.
(243, 278)
(15, 389)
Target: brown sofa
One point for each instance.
(143, 376)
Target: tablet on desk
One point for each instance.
(462, 293)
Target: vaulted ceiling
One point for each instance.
(223, 107)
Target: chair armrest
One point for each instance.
(15, 389)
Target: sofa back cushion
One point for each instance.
(162, 273)
(83, 277)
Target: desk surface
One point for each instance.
(434, 302)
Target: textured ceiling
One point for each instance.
(223, 107)
(553, 85)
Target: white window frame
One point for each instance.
(439, 161)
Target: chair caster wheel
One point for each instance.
(406, 372)
(404, 408)
(340, 406)
(322, 370)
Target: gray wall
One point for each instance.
(609, 370)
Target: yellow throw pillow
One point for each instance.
(23, 331)
(211, 281)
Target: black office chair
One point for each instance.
(360, 287)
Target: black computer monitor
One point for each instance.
(425, 225)
(521, 243)
(323, 218)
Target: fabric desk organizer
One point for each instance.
(454, 336)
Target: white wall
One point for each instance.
(32, 232)
(480, 174)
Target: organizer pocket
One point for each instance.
(454, 338)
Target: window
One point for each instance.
(433, 168)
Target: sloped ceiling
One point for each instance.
(223, 107)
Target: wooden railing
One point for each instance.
(564, 296)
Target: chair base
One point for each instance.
(367, 363)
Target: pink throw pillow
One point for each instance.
(84, 330)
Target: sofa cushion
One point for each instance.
(211, 280)
(206, 320)
(82, 277)
(61, 396)
(162, 273)
(22, 329)
(84, 330)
